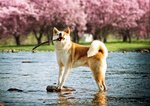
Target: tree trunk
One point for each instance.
(51, 38)
(48, 38)
(129, 36)
(94, 37)
(38, 37)
(105, 32)
(39, 41)
(128, 33)
(49, 33)
(75, 36)
(124, 38)
(97, 35)
(17, 39)
(105, 39)
(137, 37)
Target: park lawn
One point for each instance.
(26, 48)
(112, 46)
(134, 46)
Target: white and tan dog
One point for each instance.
(70, 55)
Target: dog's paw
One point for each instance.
(58, 88)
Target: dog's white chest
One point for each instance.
(62, 57)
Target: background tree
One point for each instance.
(128, 13)
(13, 18)
(98, 17)
(143, 28)
(58, 13)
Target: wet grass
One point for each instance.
(112, 46)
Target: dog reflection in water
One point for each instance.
(99, 99)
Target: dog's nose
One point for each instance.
(60, 34)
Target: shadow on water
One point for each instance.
(127, 80)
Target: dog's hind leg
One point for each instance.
(100, 80)
(104, 85)
(99, 76)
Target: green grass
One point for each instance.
(120, 46)
(27, 48)
(112, 46)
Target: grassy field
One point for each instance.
(112, 46)
(134, 46)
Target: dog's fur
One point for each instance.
(70, 55)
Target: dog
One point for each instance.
(71, 55)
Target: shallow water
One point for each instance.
(127, 81)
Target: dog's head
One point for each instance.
(61, 38)
(61, 35)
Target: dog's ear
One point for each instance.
(55, 31)
(67, 30)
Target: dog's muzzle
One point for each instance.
(59, 39)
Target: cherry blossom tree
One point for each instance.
(19, 17)
(106, 15)
(98, 17)
(143, 28)
(129, 13)
(13, 18)
(60, 13)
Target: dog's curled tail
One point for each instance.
(97, 46)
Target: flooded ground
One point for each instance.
(127, 80)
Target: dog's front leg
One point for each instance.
(64, 77)
(61, 70)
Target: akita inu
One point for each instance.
(70, 55)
